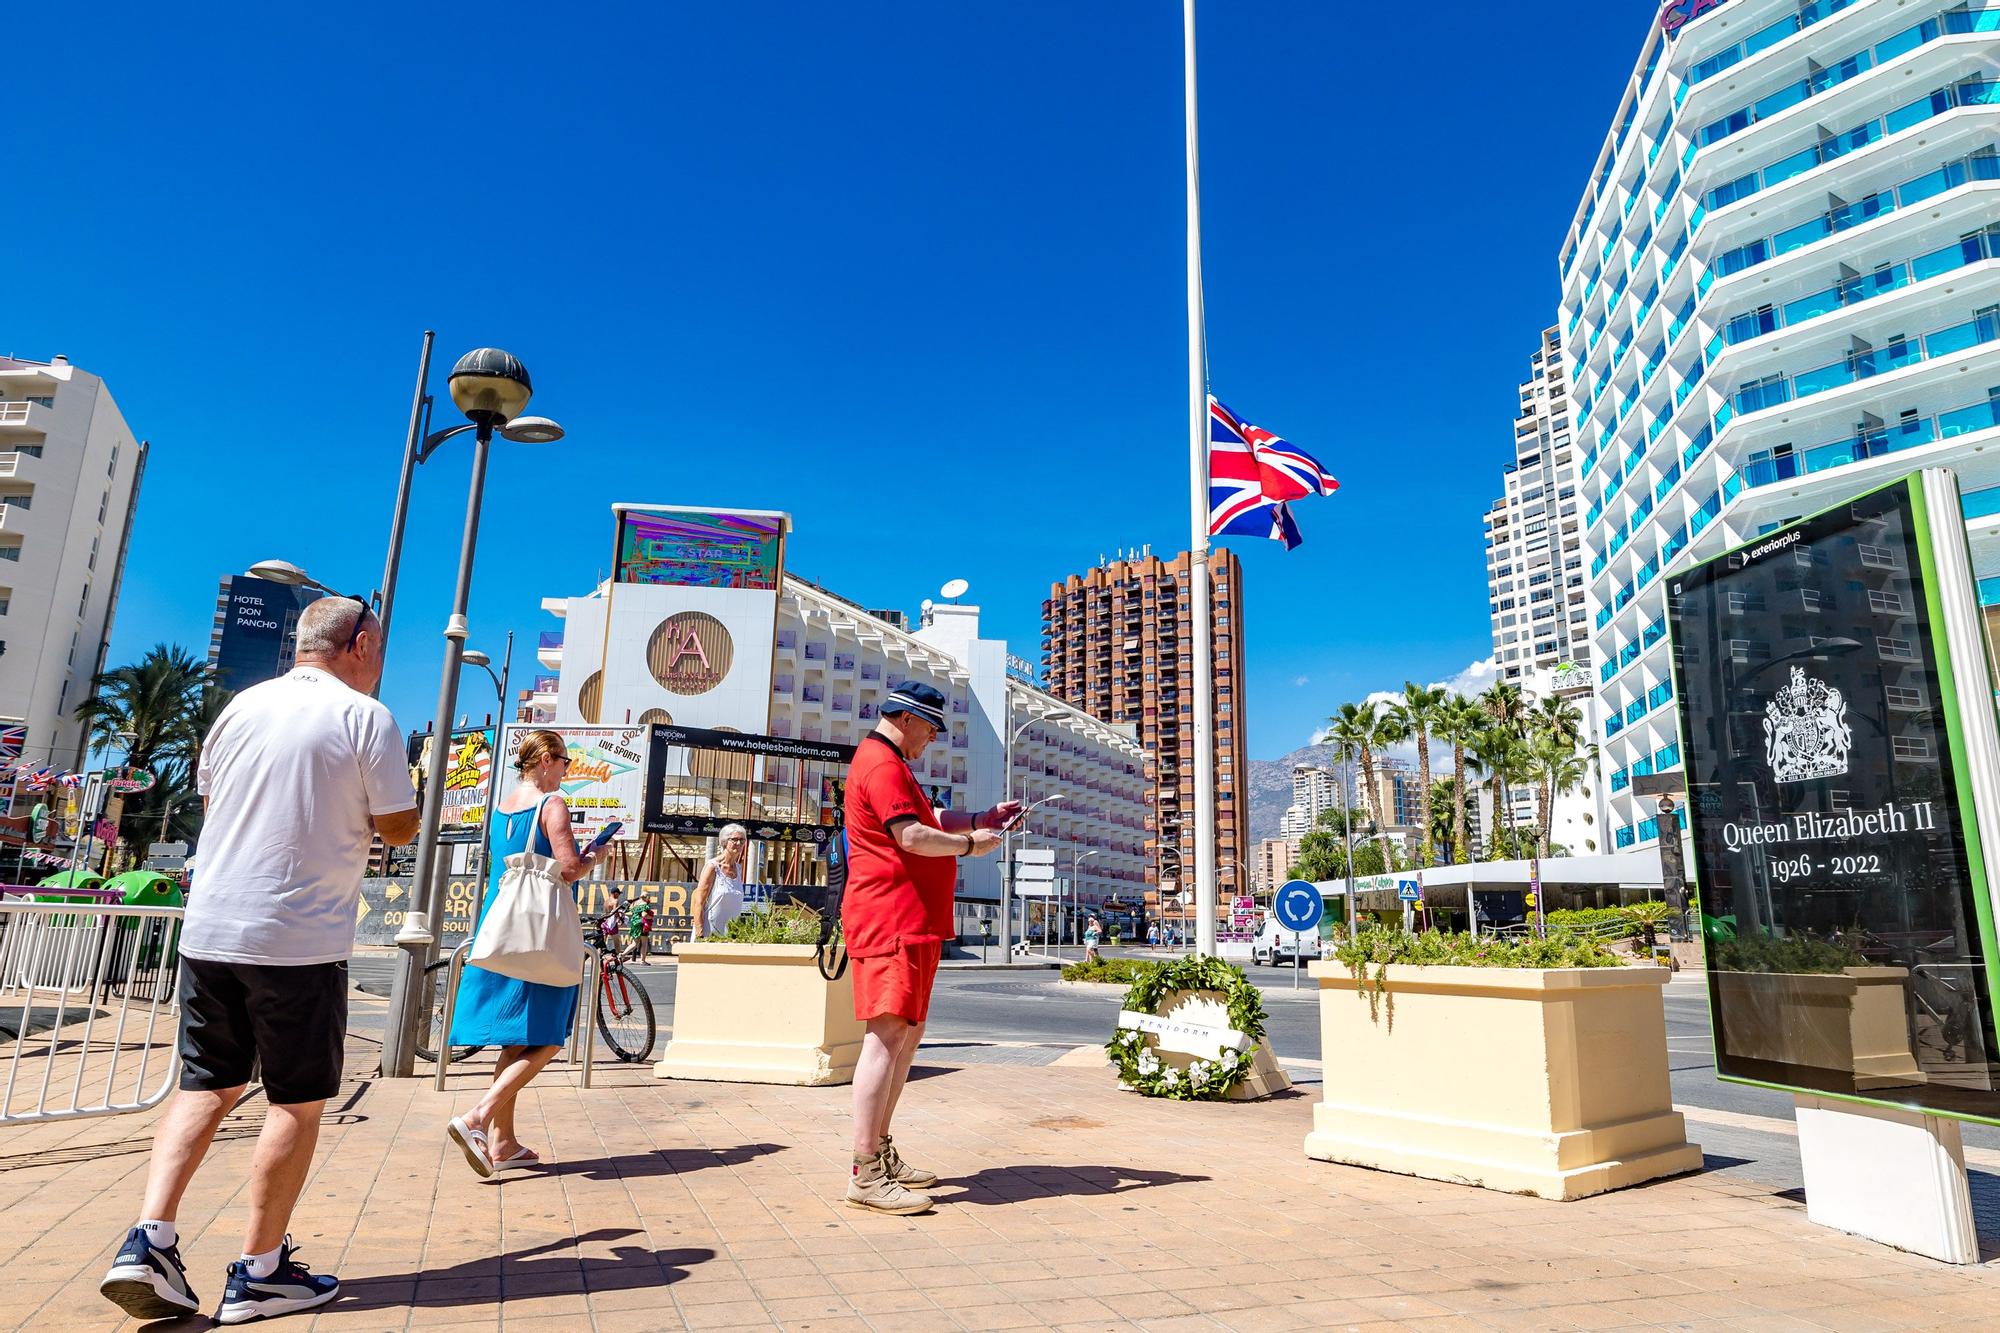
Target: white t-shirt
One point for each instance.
(292, 770)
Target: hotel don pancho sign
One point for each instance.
(1835, 716)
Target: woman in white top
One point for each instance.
(718, 897)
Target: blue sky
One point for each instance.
(790, 257)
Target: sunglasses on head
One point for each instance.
(367, 605)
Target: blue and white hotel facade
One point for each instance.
(1782, 287)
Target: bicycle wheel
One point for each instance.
(624, 1014)
(428, 1036)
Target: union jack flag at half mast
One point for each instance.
(1253, 476)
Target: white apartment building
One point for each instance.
(69, 485)
(1781, 288)
(1534, 534)
(1535, 553)
(784, 657)
(1314, 791)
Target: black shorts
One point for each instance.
(291, 1021)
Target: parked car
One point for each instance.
(1276, 945)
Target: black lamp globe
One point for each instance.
(490, 386)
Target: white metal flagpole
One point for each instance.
(1202, 868)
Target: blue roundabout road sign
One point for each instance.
(1298, 905)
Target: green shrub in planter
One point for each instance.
(1382, 946)
(789, 924)
(1116, 971)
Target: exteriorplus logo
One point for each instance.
(1682, 12)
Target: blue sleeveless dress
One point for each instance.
(494, 1010)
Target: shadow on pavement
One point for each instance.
(1011, 1184)
(485, 1281)
(659, 1162)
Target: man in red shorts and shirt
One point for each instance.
(902, 870)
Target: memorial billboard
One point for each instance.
(1837, 724)
(781, 790)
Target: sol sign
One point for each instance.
(1683, 12)
(690, 653)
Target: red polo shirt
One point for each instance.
(891, 894)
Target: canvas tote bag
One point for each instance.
(531, 932)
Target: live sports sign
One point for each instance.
(1683, 12)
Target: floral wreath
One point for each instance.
(1203, 1080)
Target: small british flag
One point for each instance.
(1253, 476)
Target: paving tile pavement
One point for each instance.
(1067, 1205)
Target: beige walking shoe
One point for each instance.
(873, 1188)
(909, 1177)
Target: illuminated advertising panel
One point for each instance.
(1835, 725)
(700, 549)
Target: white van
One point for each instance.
(1275, 945)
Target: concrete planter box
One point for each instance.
(760, 1013)
(1552, 1083)
(1855, 1019)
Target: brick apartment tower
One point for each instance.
(1117, 642)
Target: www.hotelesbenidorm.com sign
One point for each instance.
(1843, 770)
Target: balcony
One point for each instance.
(548, 649)
(10, 464)
(1982, 414)
(19, 420)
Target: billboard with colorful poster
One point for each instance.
(700, 548)
(606, 776)
(467, 779)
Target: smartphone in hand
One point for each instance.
(604, 836)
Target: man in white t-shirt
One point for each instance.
(298, 772)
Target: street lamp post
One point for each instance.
(1007, 843)
(491, 387)
(1075, 894)
(473, 657)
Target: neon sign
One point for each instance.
(1683, 12)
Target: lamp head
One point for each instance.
(279, 571)
(490, 386)
(532, 430)
(473, 657)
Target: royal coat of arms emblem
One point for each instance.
(1806, 734)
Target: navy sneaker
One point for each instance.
(149, 1281)
(289, 1289)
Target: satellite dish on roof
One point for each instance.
(955, 588)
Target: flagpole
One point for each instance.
(1203, 867)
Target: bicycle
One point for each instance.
(428, 1039)
(624, 1010)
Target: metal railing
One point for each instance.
(582, 1037)
(87, 993)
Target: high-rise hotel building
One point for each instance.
(69, 487)
(1780, 290)
(1117, 643)
(1534, 534)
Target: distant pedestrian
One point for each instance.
(718, 895)
(897, 914)
(642, 931)
(527, 1020)
(611, 921)
(1092, 933)
(1153, 935)
(298, 772)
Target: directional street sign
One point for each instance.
(1298, 905)
(1025, 871)
(1035, 856)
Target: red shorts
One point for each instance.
(897, 983)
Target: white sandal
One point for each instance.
(472, 1143)
(520, 1161)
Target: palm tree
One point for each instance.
(1358, 730)
(1416, 714)
(1557, 717)
(156, 712)
(1560, 768)
(1460, 722)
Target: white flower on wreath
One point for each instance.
(1173, 1077)
(1149, 1063)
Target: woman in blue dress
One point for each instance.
(528, 1021)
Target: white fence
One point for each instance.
(88, 1020)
